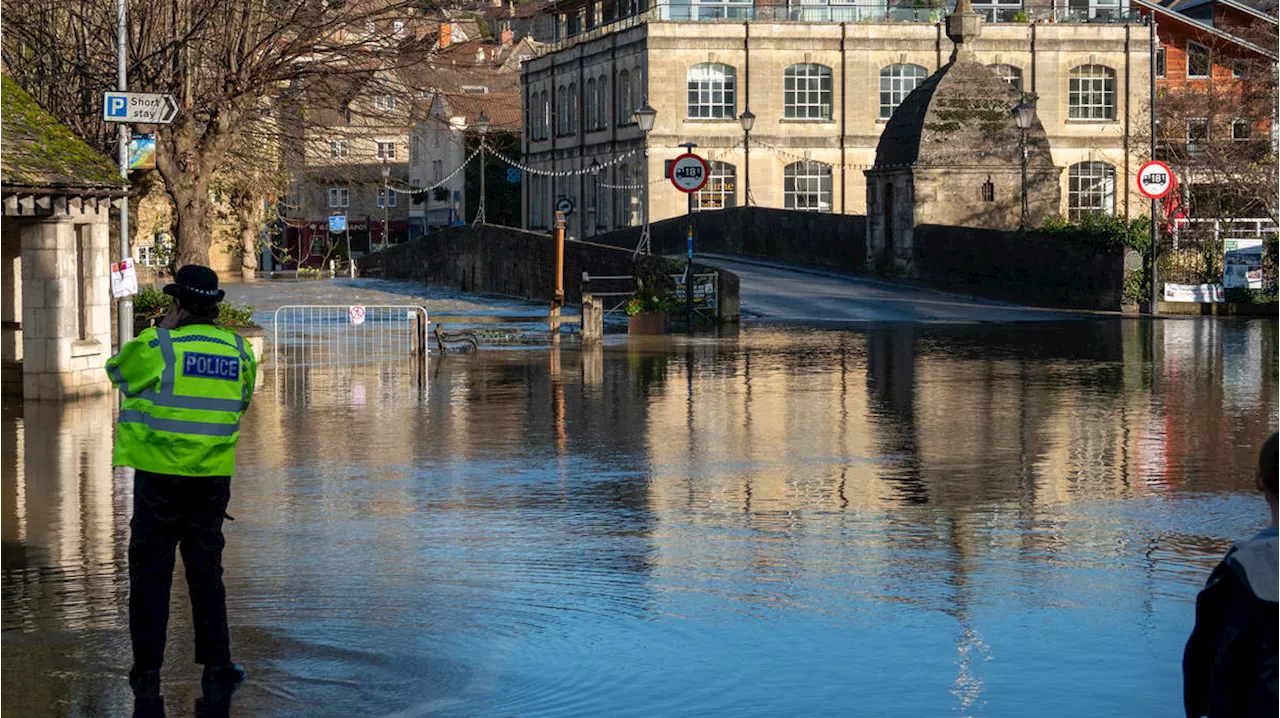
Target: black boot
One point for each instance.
(145, 684)
(230, 674)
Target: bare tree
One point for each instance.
(225, 62)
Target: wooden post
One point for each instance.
(557, 300)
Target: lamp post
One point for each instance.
(1024, 114)
(748, 120)
(645, 117)
(688, 271)
(386, 200)
(482, 127)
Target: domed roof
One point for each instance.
(961, 116)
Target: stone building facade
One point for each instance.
(822, 93)
(953, 154)
(55, 237)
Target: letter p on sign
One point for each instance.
(117, 106)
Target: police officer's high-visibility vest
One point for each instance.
(184, 393)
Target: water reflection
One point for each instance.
(924, 520)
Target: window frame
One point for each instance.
(817, 82)
(623, 86)
(1162, 62)
(792, 177)
(339, 197)
(1208, 60)
(701, 93)
(1248, 125)
(1101, 173)
(897, 80)
(590, 98)
(1101, 84)
(380, 152)
(386, 197)
(602, 99)
(384, 103)
(339, 149)
(1201, 138)
(1012, 74)
(721, 189)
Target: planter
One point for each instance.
(647, 323)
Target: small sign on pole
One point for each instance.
(564, 205)
(338, 223)
(143, 108)
(124, 279)
(689, 172)
(1155, 179)
(357, 315)
(142, 152)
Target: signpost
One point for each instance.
(564, 205)
(338, 223)
(1155, 180)
(357, 315)
(144, 108)
(689, 173)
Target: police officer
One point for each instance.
(186, 384)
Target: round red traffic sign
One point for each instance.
(689, 172)
(1155, 179)
(357, 315)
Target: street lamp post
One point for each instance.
(386, 200)
(1024, 114)
(645, 117)
(748, 120)
(482, 127)
(594, 210)
(688, 271)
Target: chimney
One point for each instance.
(505, 36)
(511, 8)
(479, 55)
(446, 35)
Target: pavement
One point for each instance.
(772, 291)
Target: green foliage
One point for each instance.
(151, 305)
(653, 292)
(1108, 233)
(1020, 16)
(440, 194)
(1250, 296)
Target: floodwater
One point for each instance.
(893, 519)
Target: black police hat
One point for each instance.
(196, 285)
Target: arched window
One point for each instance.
(624, 107)
(638, 94)
(712, 88)
(721, 188)
(807, 186)
(562, 111)
(1010, 74)
(806, 90)
(592, 122)
(573, 108)
(1091, 189)
(896, 82)
(1092, 93)
(547, 117)
(602, 100)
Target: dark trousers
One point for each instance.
(171, 512)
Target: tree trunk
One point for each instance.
(248, 246)
(192, 220)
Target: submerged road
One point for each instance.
(777, 292)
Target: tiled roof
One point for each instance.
(39, 151)
(504, 109)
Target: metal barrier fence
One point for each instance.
(310, 341)
(615, 291)
(1195, 253)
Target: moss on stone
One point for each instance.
(39, 151)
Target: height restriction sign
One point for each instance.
(1155, 179)
(689, 172)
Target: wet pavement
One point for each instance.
(898, 519)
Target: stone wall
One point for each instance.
(1032, 269)
(812, 239)
(513, 262)
(65, 303)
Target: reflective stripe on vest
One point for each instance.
(177, 426)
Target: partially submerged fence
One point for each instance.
(311, 341)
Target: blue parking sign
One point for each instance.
(117, 105)
(513, 175)
(338, 223)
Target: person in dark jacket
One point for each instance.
(1229, 667)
